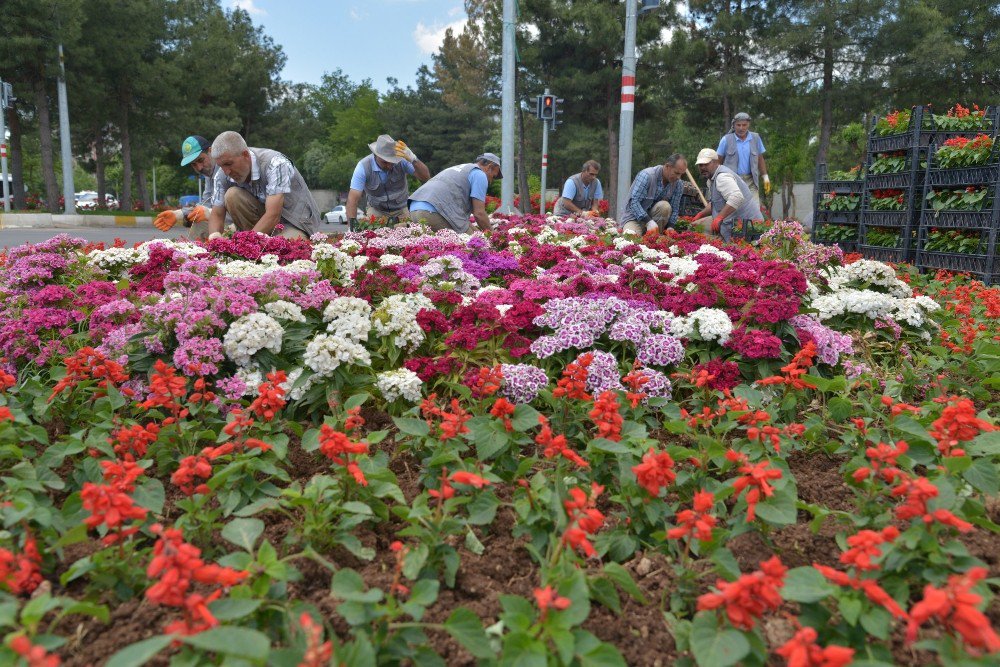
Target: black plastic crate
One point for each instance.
(837, 217)
(886, 218)
(922, 131)
(899, 180)
(840, 187)
(959, 262)
(958, 219)
(978, 175)
(883, 254)
(849, 241)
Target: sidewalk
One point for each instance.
(73, 221)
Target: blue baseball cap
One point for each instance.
(192, 147)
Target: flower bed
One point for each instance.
(527, 447)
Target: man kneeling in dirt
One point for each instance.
(259, 188)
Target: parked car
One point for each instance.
(87, 201)
(338, 214)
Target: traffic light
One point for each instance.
(547, 107)
(556, 111)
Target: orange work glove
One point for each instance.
(716, 224)
(198, 214)
(165, 220)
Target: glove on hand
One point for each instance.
(403, 151)
(198, 214)
(716, 224)
(167, 219)
(767, 185)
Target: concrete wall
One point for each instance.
(802, 205)
(61, 221)
(327, 199)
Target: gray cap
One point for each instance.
(743, 115)
(492, 158)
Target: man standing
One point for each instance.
(382, 177)
(195, 152)
(654, 202)
(729, 197)
(581, 192)
(743, 152)
(259, 188)
(447, 200)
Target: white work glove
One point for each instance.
(403, 151)
(214, 235)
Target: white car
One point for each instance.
(338, 214)
(87, 201)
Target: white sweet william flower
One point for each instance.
(285, 310)
(291, 391)
(680, 267)
(250, 334)
(117, 259)
(396, 316)
(326, 353)
(252, 378)
(350, 317)
(399, 383)
(707, 249)
(350, 247)
(707, 323)
(391, 260)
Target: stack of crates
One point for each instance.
(836, 209)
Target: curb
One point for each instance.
(73, 221)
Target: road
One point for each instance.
(14, 237)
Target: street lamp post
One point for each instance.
(6, 97)
(69, 205)
(507, 108)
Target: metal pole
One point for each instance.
(3, 147)
(628, 109)
(545, 161)
(69, 206)
(507, 109)
(154, 185)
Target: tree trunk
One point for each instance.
(612, 188)
(45, 139)
(16, 159)
(126, 194)
(102, 186)
(826, 122)
(140, 175)
(522, 168)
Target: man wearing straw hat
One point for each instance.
(654, 201)
(382, 177)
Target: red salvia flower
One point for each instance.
(462, 477)
(696, 521)
(803, 651)
(958, 423)
(192, 468)
(865, 547)
(339, 448)
(556, 445)
(917, 492)
(89, 364)
(547, 598)
(446, 491)
(503, 410)
(955, 607)
(584, 518)
(5, 414)
(883, 462)
(270, 396)
(354, 419)
(133, 441)
(655, 472)
(606, 417)
(34, 656)
(747, 598)
(757, 477)
(166, 389)
(21, 573)
(488, 382)
(869, 587)
(573, 384)
(947, 518)
(318, 652)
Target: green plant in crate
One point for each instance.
(887, 200)
(893, 123)
(832, 201)
(972, 198)
(836, 233)
(853, 174)
(964, 152)
(889, 163)
(882, 237)
(952, 240)
(962, 119)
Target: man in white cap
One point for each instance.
(260, 189)
(654, 200)
(743, 151)
(447, 200)
(382, 178)
(195, 151)
(729, 197)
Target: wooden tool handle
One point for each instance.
(701, 195)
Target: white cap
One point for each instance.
(706, 155)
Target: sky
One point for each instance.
(367, 39)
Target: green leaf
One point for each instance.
(779, 509)
(521, 650)
(912, 428)
(840, 409)
(602, 655)
(150, 495)
(985, 444)
(467, 630)
(411, 426)
(726, 562)
(230, 609)
(525, 417)
(349, 586)
(618, 574)
(713, 646)
(806, 584)
(356, 400)
(489, 436)
(983, 476)
(243, 532)
(240, 642)
(135, 655)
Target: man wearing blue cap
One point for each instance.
(447, 200)
(195, 152)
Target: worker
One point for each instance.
(581, 193)
(654, 201)
(743, 152)
(382, 177)
(259, 188)
(195, 151)
(447, 200)
(729, 196)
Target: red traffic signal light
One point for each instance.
(548, 107)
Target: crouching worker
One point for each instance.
(260, 189)
(195, 151)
